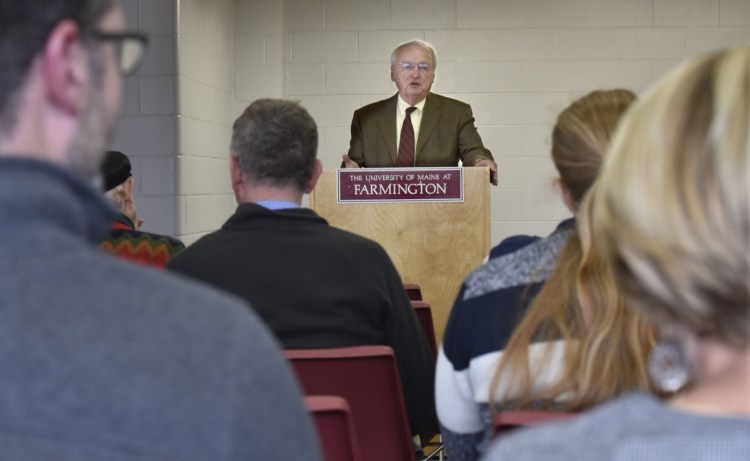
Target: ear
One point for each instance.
(393, 79)
(566, 196)
(317, 171)
(129, 196)
(238, 180)
(66, 68)
(128, 186)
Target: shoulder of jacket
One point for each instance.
(378, 105)
(446, 100)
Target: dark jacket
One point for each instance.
(127, 242)
(317, 286)
(446, 135)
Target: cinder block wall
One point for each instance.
(147, 131)
(205, 114)
(517, 62)
(177, 115)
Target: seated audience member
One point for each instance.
(495, 296)
(672, 214)
(101, 359)
(125, 238)
(316, 286)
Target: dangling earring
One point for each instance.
(667, 365)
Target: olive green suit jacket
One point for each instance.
(446, 135)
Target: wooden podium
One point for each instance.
(434, 244)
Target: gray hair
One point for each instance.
(421, 44)
(275, 142)
(118, 195)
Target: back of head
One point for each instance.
(673, 212)
(115, 169)
(609, 338)
(275, 142)
(24, 28)
(116, 173)
(582, 134)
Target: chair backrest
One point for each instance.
(424, 314)
(333, 420)
(506, 421)
(367, 377)
(413, 291)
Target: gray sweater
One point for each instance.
(104, 360)
(635, 427)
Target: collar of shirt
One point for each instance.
(123, 222)
(277, 204)
(416, 119)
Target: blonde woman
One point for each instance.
(496, 295)
(672, 215)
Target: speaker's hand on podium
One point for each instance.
(349, 163)
(493, 169)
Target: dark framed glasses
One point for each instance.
(131, 48)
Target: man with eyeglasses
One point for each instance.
(416, 127)
(101, 359)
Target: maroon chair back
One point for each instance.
(413, 291)
(424, 314)
(506, 421)
(367, 378)
(335, 426)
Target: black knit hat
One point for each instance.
(115, 169)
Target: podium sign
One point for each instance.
(434, 243)
(374, 185)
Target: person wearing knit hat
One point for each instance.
(125, 239)
(115, 169)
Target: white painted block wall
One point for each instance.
(517, 62)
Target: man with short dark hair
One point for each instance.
(316, 286)
(100, 359)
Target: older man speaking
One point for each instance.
(416, 127)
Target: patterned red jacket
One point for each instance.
(143, 247)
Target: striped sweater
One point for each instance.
(492, 300)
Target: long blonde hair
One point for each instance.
(604, 344)
(674, 212)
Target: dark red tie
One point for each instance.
(405, 158)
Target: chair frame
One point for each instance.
(507, 421)
(361, 375)
(423, 310)
(335, 426)
(413, 291)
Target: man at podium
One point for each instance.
(416, 127)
